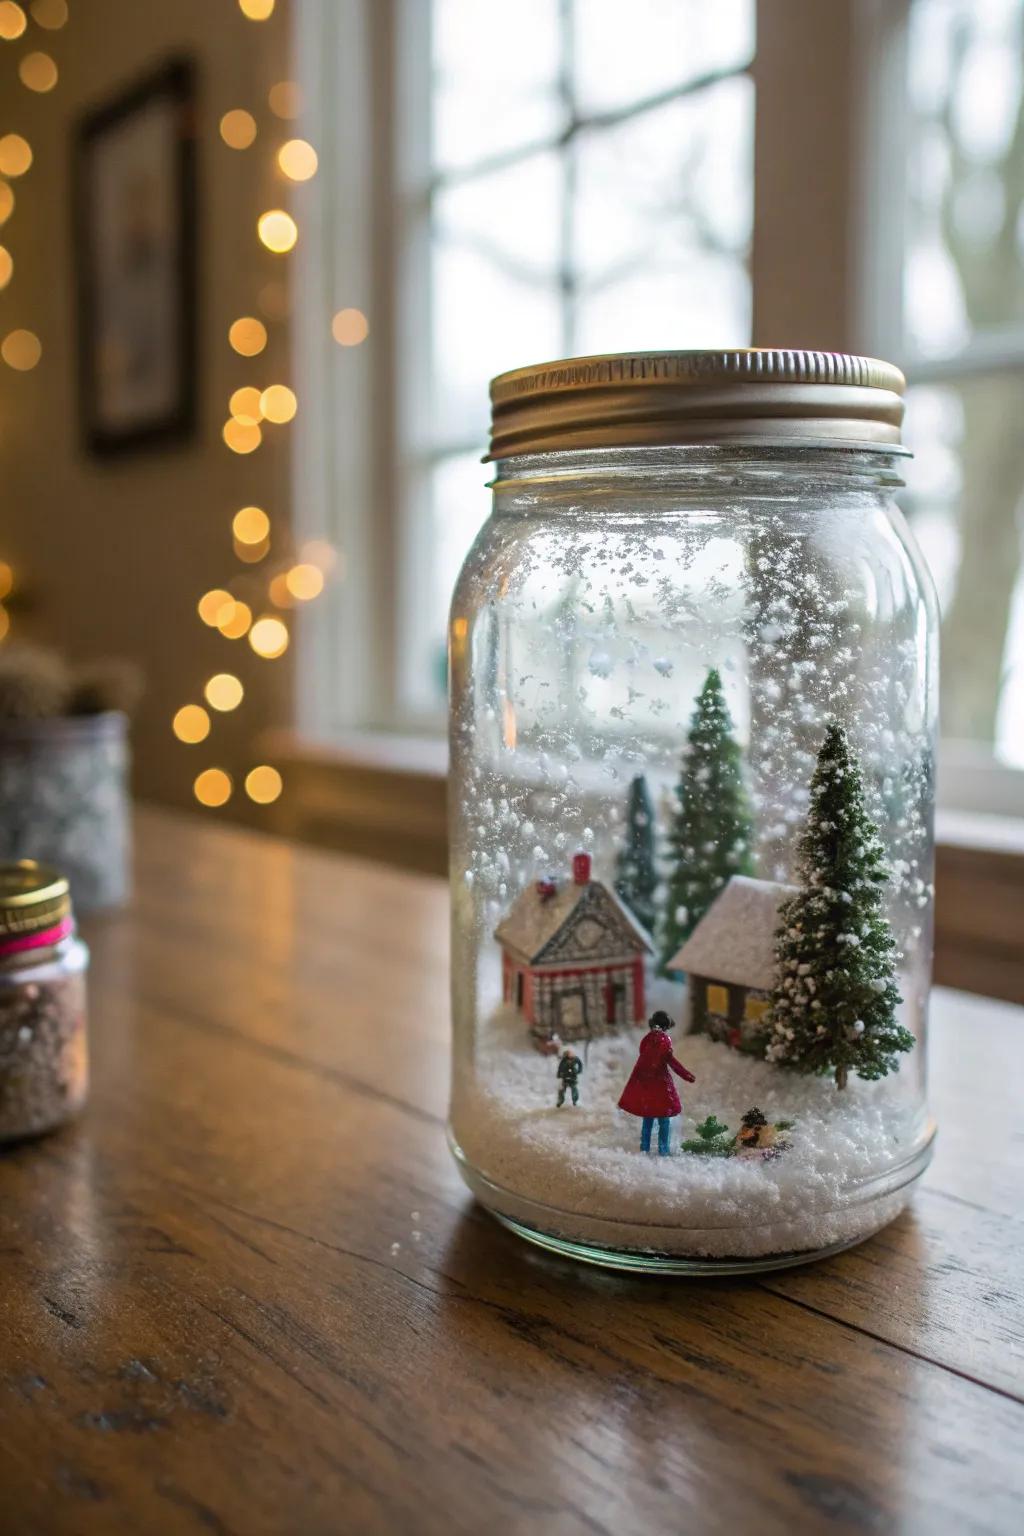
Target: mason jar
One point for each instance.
(693, 707)
(44, 1059)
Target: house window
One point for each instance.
(963, 329)
(718, 1001)
(588, 190)
(505, 182)
(755, 1007)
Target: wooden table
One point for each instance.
(248, 1293)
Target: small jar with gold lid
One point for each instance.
(44, 1062)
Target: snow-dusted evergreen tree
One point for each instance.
(636, 877)
(834, 1004)
(709, 840)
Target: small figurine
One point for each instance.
(756, 1137)
(650, 1093)
(569, 1068)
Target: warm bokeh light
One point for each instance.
(244, 405)
(38, 72)
(263, 784)
(13, 20)
(50, 14)
(15, 155)
(6, 580)
(320, 553)
(305, 582)
(279, 593)
(212, 787)
(273, 300)
(238, 128)
(6, 201)
(235, 623)
(256, 10)
(5, 621)
(241, 437)
(191, 724)
(277, 229)
(224, 691)
(285, 99)
(297, 160)
(250, 525)
(278, 403)
(215, 604)
(269, 637)
(6, 266)
(248, 336)
(21, 350)
(349, 327)
(251, 553)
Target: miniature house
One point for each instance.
(573, 957)
(729, 960)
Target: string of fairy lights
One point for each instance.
(250, 606)
(254, 607)
(20, 348)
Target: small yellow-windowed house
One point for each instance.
(729, 960)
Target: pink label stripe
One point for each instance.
(36, 940)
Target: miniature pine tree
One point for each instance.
(637, 876)
(834, 1004)
(710, 836)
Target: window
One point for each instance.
(588, 190)
(718, 1001)
(963, 327)
(523, 179)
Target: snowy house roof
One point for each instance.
(542, 912)
(735, 939)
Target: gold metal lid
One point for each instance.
(640, 399)
(33, 898)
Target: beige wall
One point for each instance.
(115, 554)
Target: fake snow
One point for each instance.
(579, 1172)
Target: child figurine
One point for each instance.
(650, 1093)
(569, 1068)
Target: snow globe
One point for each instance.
(693, 693)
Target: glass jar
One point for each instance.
(693, 700)
(44, 1063)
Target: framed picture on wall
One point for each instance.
(134, 186)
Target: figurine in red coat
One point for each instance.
(650, 1092)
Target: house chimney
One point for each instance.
(581, 868)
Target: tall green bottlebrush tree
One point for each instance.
(636, 876)
(834, 1004)
(710, 837)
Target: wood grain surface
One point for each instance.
(248, 1294)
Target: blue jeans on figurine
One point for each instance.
(664, 1132)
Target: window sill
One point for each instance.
(384, 797)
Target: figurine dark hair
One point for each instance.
(753, 1119)
(660, 1020)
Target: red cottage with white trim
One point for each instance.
(573, 958)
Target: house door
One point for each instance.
(571, 1013)
(617, 1001)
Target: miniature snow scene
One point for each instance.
(691, 786)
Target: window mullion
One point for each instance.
(804, 174)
